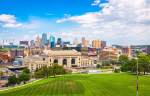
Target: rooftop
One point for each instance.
(62, 52)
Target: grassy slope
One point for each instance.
(85, 85)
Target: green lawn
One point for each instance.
(85, 85)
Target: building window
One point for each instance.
(64, 61)
(43, 59)
(55, 61)
(95, 62)
(73, 61)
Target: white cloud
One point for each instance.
(120, 21)
(96, 2)
(87, 19)
(12, 25)
(9, 21)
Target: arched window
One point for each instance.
(64, 61)
(73, 61)
(55, 61)
(95, 62)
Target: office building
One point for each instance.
(59, 42)
(85, 43)
(52, 41)
(32, 43)
(38, 42)
(44, 39)
(96, 44)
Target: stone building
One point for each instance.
(66, 58)
(109, 53)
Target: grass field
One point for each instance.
(84, 85)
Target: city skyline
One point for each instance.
(107, 20)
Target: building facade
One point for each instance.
(67, 58)
(98, 44)
(141, 48)
(126, 50)
(109, 54)
(24, 43)
(16, 52)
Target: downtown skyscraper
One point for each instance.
(52, 41)
(44, 39)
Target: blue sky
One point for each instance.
(116, 21)
(23, 9)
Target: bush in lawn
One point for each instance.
(117, 71)
(39, 73)
(98, 66)
(68, 71)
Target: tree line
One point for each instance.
(17, 79)
(53, 70)
(43, 72)
(143, 61)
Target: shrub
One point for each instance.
(98, 66)
(117, 70)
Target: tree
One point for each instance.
(144, 63)
(26, 70)
(124, 62)
(53, 70)
(123, 59)
(132, 65)
(12, 80)
(98, 66)
(45, 71)
(23, 77)
(39, 73)
(57, 70)
(117, 71)
(1, 74)
(106, 63)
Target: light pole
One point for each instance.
(137, 78)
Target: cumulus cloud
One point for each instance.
(9, 21)
(127, 21)
(96, 2)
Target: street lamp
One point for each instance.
(137, 77)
